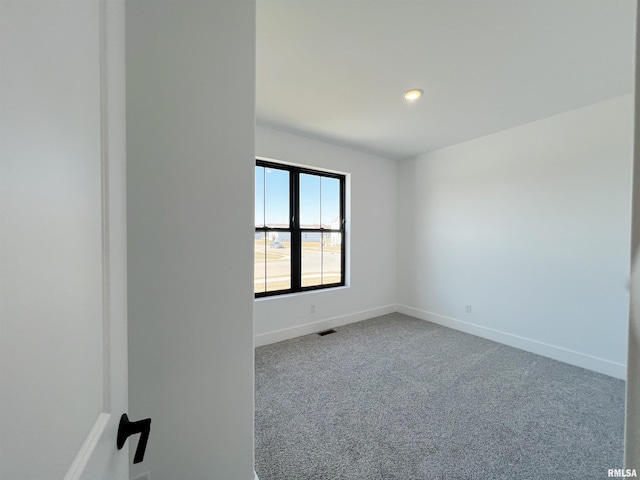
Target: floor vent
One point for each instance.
(326, 332)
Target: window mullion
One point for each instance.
(296, 247)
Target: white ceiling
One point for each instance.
(336, 70)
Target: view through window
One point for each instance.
(299, 229)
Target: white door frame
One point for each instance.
(98, 454)
(63, 343)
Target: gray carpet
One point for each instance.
(399, 398)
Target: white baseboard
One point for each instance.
(555, 352)
(255, 476)
(318, 326)
(578, 359)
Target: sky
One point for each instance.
(319, 198)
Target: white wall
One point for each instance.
(371, 237)
(531, 226)
(190, 127)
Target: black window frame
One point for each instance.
(297, 231)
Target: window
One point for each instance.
(300, 229)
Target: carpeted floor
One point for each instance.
(399, 398)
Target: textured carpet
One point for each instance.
(399, 398)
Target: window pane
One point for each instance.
(276, 197)
(309, 201)
(331, 256)
(330, 208)
(278, 261)
(311, 259)
(321, 258)
(259, 208)
(259, 257)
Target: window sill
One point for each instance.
(298, 294)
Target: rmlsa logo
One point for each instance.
(622, 473)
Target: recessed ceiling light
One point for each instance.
(413, 94)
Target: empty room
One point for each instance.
(319, 239)
(442, 282)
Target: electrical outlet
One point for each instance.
(313, 309)
(467, 308)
